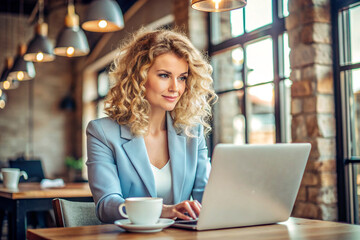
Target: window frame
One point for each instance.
(275, 31)
(346, 174)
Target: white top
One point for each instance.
(163, 183)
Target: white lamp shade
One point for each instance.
(40, 44)
(22, 70)
(217, 5)
(72, 42)
(103, 16)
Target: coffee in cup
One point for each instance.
(142, 210)
(11, 176)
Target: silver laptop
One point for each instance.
(251, 185)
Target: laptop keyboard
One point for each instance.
(187, 222)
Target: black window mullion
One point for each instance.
(276, 67)
(277, 63)
(340, 167)
(244, 102)
(248, 37)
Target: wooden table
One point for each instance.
(31, 197)
(294, 228)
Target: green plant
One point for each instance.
(74, 163)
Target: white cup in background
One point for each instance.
(11, 176)
(142, 210)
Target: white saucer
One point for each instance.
(157, 227)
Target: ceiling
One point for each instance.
(13, 6)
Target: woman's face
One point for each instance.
(166, 81)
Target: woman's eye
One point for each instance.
(164, 75)
(183, 78)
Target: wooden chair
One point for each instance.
(73, 214)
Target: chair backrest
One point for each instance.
(73, 214)
(33, 168)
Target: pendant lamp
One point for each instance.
(104, 16)
(72, 41)
(40, 49)
(22, 70)
(6, 82)
(217, 5)
(3, 100)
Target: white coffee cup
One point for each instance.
(11, 176)
(142, 210)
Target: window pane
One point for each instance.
(355, 34)
(226, 25)
(258, 13)
(355, 111)
(237, 23)
(228, 69)
(229, 117)
(286, 51)
(259, 60)
(103, 84)
(285, 107)
(100, 109)
(260, 112)
(285, 11)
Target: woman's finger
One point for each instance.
(189, 209)
(199, 204)
(195, 207)
(180, 215)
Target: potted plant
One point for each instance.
(74, 167)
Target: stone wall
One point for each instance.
(312, 105)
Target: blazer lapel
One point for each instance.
(135, 149)
(177, 150)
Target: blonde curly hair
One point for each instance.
(126, 102)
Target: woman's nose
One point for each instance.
(173, 84)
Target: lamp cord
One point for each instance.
(7, 28)
(31, 118)
(41, 11)
(21, 13)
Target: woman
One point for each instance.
(152, 143)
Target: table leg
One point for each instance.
(10, 225)
(19, 222)
(2, 218)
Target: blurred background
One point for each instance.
(284, 70)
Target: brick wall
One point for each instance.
(53, 127)
(312, 105)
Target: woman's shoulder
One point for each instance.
(106, 125)
(103, 122)
(106, 128)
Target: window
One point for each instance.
(250, 58)
(347, 79)
(103, 86)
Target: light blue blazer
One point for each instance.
(119, 167)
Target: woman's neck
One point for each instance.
(157, 122)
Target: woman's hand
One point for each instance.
(178, 211)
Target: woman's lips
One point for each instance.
(170, 98)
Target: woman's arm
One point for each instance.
(103, 176)
(203, 167)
